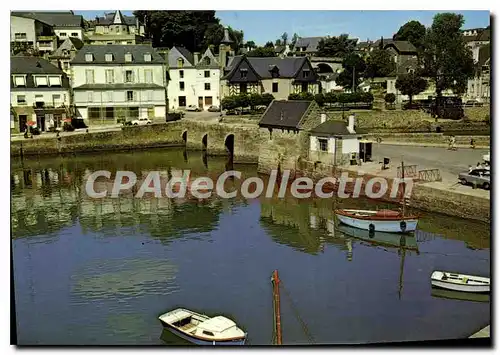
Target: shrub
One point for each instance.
(294, 97)
(390, 98)
(320, 99)
(267, 99)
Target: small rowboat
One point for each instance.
(378, 221)
(201, 329)
(459, 282)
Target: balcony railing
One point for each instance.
(46, 38)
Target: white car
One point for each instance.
(141, 121)
(193, 108)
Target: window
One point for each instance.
(147, 57)
(54, 81)
(19, 81)
(74, 34)
(56, 98)
(305, 73)
(41, 81)
(90, 96)
(130, 96)
(208, 333)
(181, 74)
(108, 96)
(20, 36)
(181, 85)
(180, 62)
(128, 57)
(89, 57)
(275, 87)
(94, 112)
(21, 100)
(149, 95)
(110, 76)
(207, 86)
(129, 77)
(62, 34)
(243, 73)
(207, 61)
(39, 98)
(207, 73)
(89, 76)
(323, 144)
(148, 76)
(304, 87)
(133, 112)
(109, 113)
(109, 57)
(243, 88)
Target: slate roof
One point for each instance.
(483, 35)
(332, 128)
(285, 114)
(186, 54)
(402, 46)
(386, 41)
(310, 42)
(108, 19)
(118, 51)
(288, 66)
(54, 18)
(33, 65)
(68, 44)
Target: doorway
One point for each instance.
(182, 101)
(23, 119)
(200, 102)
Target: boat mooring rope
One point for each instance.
(302, 323)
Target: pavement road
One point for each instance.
(449, 162)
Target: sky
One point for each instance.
(266, 25)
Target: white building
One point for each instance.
(31, 34)
(113, 82)
(193, 79)
(115, 28)
(39, 93)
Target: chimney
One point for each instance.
(196, 57)
(350, 127)
(323, 117)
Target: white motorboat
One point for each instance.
(460, 282)
(201, 329)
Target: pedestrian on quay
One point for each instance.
(472, 143)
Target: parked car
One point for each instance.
(476, 178)
(213, 109)
(473, 103)
(141, 122)
(193, 108)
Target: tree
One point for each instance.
(266, 99)
(194, 30)
(447, 60)
(413, 32)
(320, 99)
(278, 42)
(250, 44)
(284, 38)
(354, 66)
(228, 103)
(411, 85)
(295, 37)
(254, 100)
(379, 64)
(269, 44)
(340, 46)
(262, 52)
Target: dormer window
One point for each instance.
(109, 57)
(243, 73)
(89, 57)
(180, 62)
(19, 80)
(54, 81)
(410, 70)
(128, 57)
(305, 73)
(207, 61)
(147, 57)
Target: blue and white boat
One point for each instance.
(200, 329)
(378, 221)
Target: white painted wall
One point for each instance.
(22, 25)
(313, 143)
(194, 86)
(40, 95)
(331, 145)
(119, 73)
(350, 145)
(119, 98)
(69, 31)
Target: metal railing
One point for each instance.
(410, 171)
(430, 175)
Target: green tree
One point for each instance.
(379, 64)
(320, 99)
(262, 52)
(278, 42)
(354, 66)
(284, 39)
(447, 60)
(254, 100)
(295, 37)
(228, 103)
(250, 44)
(269, 44)
(413, 32)
(340, 46)
(294, 96)
(242, 100)
(411, 85)
(266, 99)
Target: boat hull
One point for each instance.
(462, 288)
(460, 296)
(197, 341)
(390, 226)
